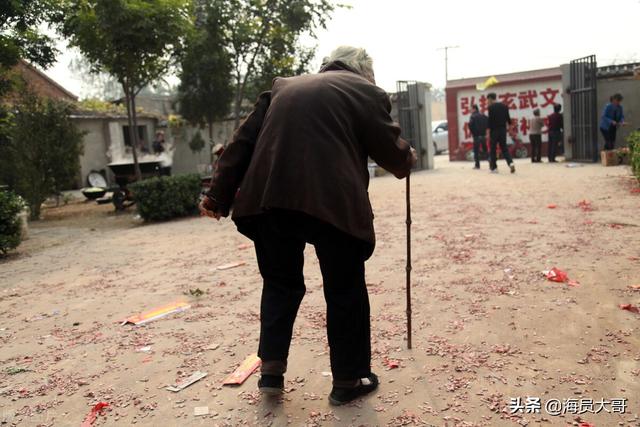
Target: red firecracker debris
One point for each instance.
(630, 307)
(93, 414)
(559, 276)
(583, 424)
(585, 205)
(556, 275)
(552, 206)
(635, 190)
(391, 364)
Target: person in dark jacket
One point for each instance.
(555, 126)
(498, 123)
(478, 127)
(612, 118)
(298, 165)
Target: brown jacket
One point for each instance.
(305, 147)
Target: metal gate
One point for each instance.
(584, 114)
(409, 116)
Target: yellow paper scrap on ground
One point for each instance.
(157, 313)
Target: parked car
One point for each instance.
(440, 133)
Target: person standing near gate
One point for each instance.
(535, 136)
(555, 126)
(498, 123)
(478, 127)
(612, 118)
(296, 173)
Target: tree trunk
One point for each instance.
(238, 102)
(134, 116)
(132, 132)
(211, 139)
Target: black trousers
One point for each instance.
(536, 148)
(555, 136)
(479, 142)
(280, 237)
(609, 137)
(499, 137)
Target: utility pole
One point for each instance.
(446, 61)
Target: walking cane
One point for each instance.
(408, 262)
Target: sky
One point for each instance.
(494, 37)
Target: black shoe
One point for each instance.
(341, 395)
(512, 167)
(271, 384)
(476, 167)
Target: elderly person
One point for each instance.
(535, 136)
(299, 162)
(612, 118)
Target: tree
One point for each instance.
(42, 155)
(20, 37)
(205, 91)
(263, 39)
(134, 40)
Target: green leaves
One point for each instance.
(167, 197)
(634, 147)
(10, 207)
(205, 91)
(134, 40)
(42, 154)
(19, 32)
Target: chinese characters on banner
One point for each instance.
(521, 99)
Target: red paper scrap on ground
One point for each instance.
(391, 364)
(157, 313)
(244, 371)
(616, 226)
(636, 190)
(559, 276)
(93, 414)
(586, 425)
(556, 275)
(231, 265)
(552, 206)
(585, 205)
(630, 307)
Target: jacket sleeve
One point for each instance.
(472, 125)
(381, 138)
(607, 115)
(235, 159)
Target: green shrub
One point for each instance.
(10, 207)
(167, 197)
(634, 147)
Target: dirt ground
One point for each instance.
(487, 326)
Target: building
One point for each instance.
(522, 92)
(41, 84)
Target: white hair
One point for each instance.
(354, 57)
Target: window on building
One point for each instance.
(143, 138)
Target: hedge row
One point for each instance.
(167, 197)
(634, 147)
(10, 227)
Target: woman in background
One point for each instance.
(612, 117)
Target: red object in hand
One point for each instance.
(630, 307)
(93, 414)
